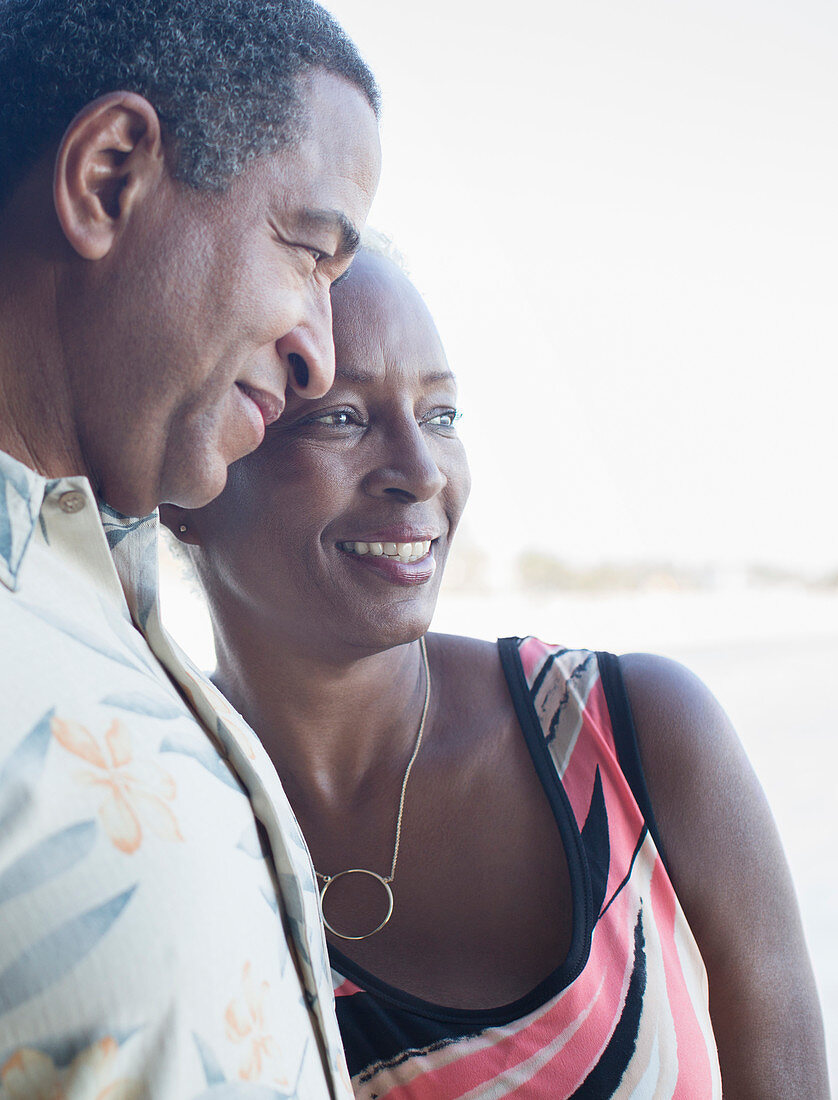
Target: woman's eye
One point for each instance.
(445, 418)
(338, 419)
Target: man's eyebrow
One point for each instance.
(350, 238)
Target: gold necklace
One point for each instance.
(385, 880)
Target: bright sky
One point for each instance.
(624, 217)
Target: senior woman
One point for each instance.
(533, 860)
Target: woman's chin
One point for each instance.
(376, 635)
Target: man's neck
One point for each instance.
(37, 421)
(37, 424)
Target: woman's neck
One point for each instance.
(331, 727)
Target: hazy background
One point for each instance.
(624, 216)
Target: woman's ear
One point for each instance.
(111, 155)
(179, 521)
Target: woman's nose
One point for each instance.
(308, 350)
(409, 470)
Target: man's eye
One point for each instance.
(445, 418)
(316, 254)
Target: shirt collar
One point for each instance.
(133, 545)
(132, 541)
(21, 496)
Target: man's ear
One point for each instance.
(180, 523)
(111, 154)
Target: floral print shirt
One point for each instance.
(159, 921)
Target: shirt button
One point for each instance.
(71, 502)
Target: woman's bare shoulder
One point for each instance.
(727, 864)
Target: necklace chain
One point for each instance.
(412, 760)
(385, 880)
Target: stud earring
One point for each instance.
(183, 528)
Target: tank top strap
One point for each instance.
(584, 718)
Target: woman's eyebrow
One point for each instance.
(360, 377)
(438, 376)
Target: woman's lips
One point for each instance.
(413, 550)
(405, 563)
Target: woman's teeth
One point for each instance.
(396, 551)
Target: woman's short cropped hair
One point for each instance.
(223, 75)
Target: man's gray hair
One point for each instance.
(223, 75)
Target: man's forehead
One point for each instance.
(328, 176)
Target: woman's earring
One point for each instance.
(183, 528)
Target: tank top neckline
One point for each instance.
(582, 919)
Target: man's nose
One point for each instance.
(308, 350)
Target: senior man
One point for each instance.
(180, 183)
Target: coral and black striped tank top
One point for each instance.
(626, 1014)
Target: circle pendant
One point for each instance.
(356, 871)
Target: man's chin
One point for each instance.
(129, 501)
(196, 488)
(190, 483)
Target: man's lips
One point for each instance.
(269, 405)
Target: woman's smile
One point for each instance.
(410, 562)
(397, 551)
